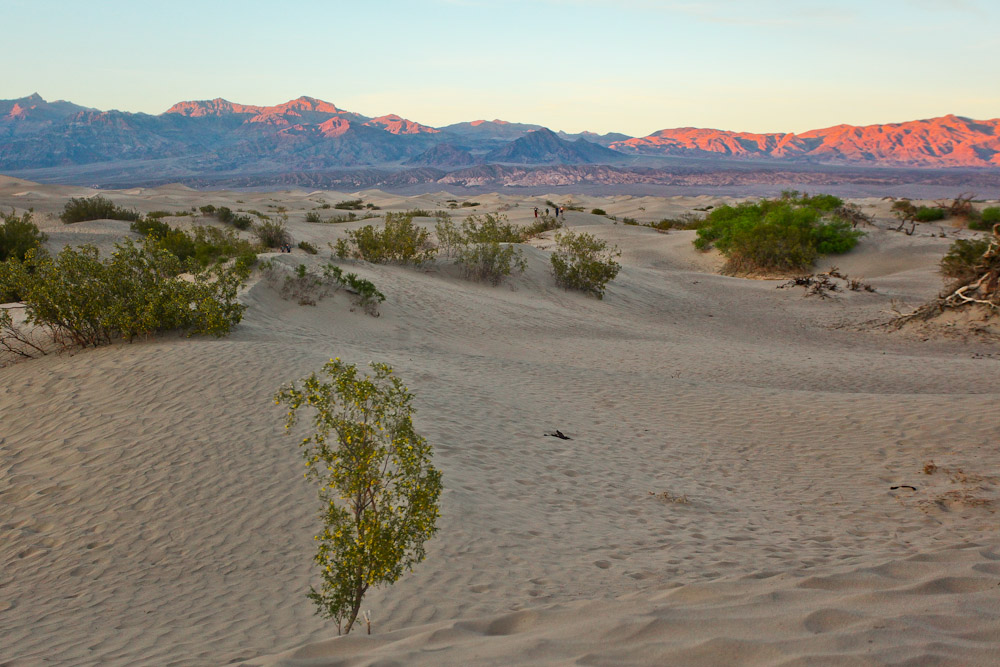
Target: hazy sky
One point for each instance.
(634, 66)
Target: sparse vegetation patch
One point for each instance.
(777, 236)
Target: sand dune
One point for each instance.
(152, 510)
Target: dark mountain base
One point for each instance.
(677, 178)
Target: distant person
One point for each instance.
(536, 211)
(546, 211)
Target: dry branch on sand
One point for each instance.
(980, 288)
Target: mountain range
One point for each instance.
(209, 138)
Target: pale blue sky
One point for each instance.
(634, 66)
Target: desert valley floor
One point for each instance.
(153, 509)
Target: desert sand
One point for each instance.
(726, 497)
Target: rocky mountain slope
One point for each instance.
(195, 140)
(948, 141)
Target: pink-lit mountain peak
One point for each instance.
(948, 141)
(398, 125)
(216, 107)
(305, 103)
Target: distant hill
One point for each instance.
(443, 155)
(545, 147)
(948, 141)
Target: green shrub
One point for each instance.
(366, 295)
(774, 235)
(378, 490)
(490, 261)
(351, 204)
(204, 246)
(490, 228)
(630, 221)
(150, 227)
(449, 236)
(241, 222)
(398, 241)
(271, 233)
(962, 259)
(482, 246)
(156, 215)
(598, 211)
(825, 203)
(470, 204)
(95, 208)
(312, 216)
(18, 235)
(988, 217)
(929, 214)
(685, 221)
(544, 223)
(308, 247)
(583, 262)
(207, 210)
(81, 300)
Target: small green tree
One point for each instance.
(485, 247)
(399, 241)
(95, 208)
(584, 262)
(962, 262)
(378, 489)
(78, 299)
(18, 235)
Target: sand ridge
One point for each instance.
(152, 510)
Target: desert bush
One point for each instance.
(271, 233)
(449, 236)
(308, 247)
(685, 221)
(483, 246)
(313, 216)
(774, 235)
(204, 246)
(490, 261)
(988, 217)
(398, 241)
(825, 203)
(241, 222)
(963, 258)
(470, 204)
(544, 223)
(490, 228)
(300, 285)
(18, 235)
(852, 214)
(583, 262)
(78, 299)
(350, 204)
(929, 214)
(366, 295)
(95, 208)
(308, 288)
(630, 221)
(378, 490)
(225, 215)
(598, 211)
(150, 227)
